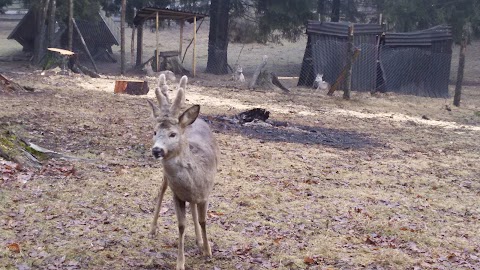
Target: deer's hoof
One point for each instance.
(207, 252)
(152, 233)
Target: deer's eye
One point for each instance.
(172, 135)
(154, 133)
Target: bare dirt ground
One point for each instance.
(377, 182)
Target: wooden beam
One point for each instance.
(139, 44)
(182, 22)
(156, 38)
(132, 44)
(194, 67)
(84, 44)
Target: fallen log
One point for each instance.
(76, 67)
(19, 150)
(11, 86)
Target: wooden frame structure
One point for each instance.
(157, 14)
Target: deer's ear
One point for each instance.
(189, 116)
(155, 109)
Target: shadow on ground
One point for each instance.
(291, 133)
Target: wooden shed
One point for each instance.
(326, 53)
(418, 63)
(99, 34)
(157, 14)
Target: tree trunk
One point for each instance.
(461, 68)
(51, 23)
(335, 11)
(39, 42)
(122, 37)
(70, 25)
(218, 37)
(321, 10)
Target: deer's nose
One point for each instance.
(158, 152)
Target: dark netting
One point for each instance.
(329, 58)
(415, 71)
(364, 68)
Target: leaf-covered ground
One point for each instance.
(385, 182)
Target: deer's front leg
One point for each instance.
(198, 233)
(161, 192)
(181, 218)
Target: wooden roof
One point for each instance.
(148, 13)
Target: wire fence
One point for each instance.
(283, 59)
(415, 71)
(406, 70)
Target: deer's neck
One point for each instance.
(180, 160)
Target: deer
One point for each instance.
(320, 84)
(189, 154)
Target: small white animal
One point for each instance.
(169, 75)
(320, 84)
(238, 76)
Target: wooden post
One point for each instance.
(182, 22)
(461, 68)
(132, 43)
(132, 47)
(348, 77)
(194, 46)
(122, 38)
(85, 45)
(139, 44)
(70, 25)
(156, 45)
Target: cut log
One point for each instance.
(131, 87)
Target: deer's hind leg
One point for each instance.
(181, 218)
(202, 218)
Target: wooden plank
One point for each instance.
(194, 65)
(84, 44)
(182, 22)
(139, 45)
(156, 44)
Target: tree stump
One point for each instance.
(265, 79)
(131, 87)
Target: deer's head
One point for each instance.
(170, 122)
